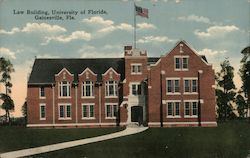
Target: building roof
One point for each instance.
(44, 70)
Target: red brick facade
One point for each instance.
(176, 90)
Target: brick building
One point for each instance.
(176, 89)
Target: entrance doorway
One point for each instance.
(137, 114)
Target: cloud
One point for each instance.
(210, 52)
(216, 31)
(155, 39)
(88, 51)
(43, 27)
(35, 27)
(195, 18)
(145, 26)
(7, 53)
(13, 31)
(124, 26)
(82, 35)
(98, 20)
(47, 56)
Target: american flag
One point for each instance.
(141, 11)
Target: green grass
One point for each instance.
(15, 138)
(228, 140)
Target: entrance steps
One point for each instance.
(134, 125)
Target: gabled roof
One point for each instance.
(44, 70)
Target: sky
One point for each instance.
(218, 29)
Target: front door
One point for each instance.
(137, 114)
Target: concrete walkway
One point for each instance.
(59, 146)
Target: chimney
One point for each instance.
(127, 47)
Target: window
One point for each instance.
(136, 89)
(195, 109)
(42, 92)
(181, 63)
(190, 86)
(87, 111)
(136, 69)
(42, 112)
(64, 89)
(187, 108)
(191, 108)
(173, 86)
(187, 84)
(88, 89)
(111, 111)
(194, 85)
(173, 109)
(111, 88)
(64, 111)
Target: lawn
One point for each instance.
(228, 140)
(15, 138)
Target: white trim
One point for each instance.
(190, 109)
(155, 64)
(73, 124)
(42, 97)
(65, 111)
(64, 69)
(131, 88)
(110, 69)
(176, 123)
(115, 89)
(181, 62)
(112, 112)
(176, 116)
(92, 87)
(190, 78)
(181, 56)
(88, 112)
(87, 69)
(192, 116)
(136, 64)
(40, 105)
(173, 79)
(60, 87)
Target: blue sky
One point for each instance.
(216, 28)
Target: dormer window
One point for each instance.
(111, 88)
(181, 63)
(88, 89)
(64, 89)
(136, 69)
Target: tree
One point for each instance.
(245, 75)
(8, 105)
(225, 91)
(241, 106)
(6, 68)
(24, 111)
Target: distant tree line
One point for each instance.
(226, 93)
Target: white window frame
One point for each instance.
(40, 111)
(60, 89)
(115, 89)
(173, 86)
(190, 109)
(137, 85)
(88, 111)
(136, 72)
(112, 112)
(65, 117)
(84, 87)
(173, 105)
(190, 85)
(40, 92)
(181, 63)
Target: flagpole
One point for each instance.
(134, 25)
